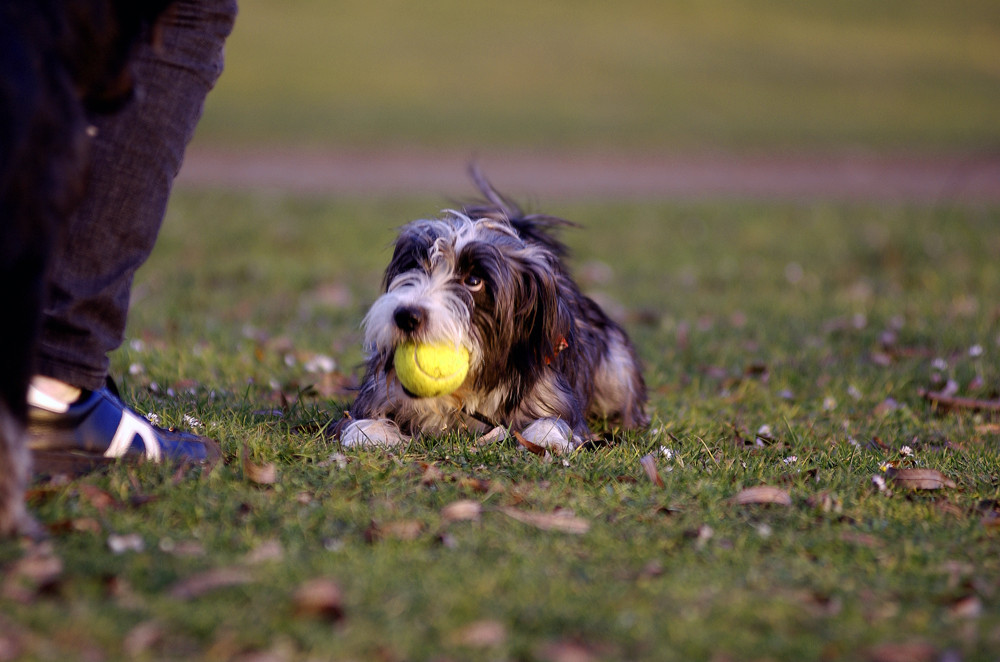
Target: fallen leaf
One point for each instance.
(919, 479)
(478, 485)
(269, 550)
(947, 401)
(567, 651)
(321, 598)
(40, 570)
(906, 651)
(98, 498)
(405, 530)
(262, 474)
(480, 634)
(432, 474)
(968, 607)
(649, 465)
(560, 520)
(142, 637)
(462, 510)
(198, 585)
(181, 547)
(531, 446)
(128, 542)
(863, 539)
(763, 494)
(496, 435)
(11, 647)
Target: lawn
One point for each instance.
(785, 345)
(631, 75)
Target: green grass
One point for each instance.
(806, 318)
(636, 74)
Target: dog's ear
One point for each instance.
(543, 315)
(410, 252)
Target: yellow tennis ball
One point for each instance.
(429, 370)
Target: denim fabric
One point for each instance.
(135, 156)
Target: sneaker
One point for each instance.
(99, 428)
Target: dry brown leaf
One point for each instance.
(763, 494)
(480, 634)
(11, 647)
(119, 543)
(649, 465)
(532, 447)
(567, 651)
(262, 474)
(142, 638)
(269, 550)
(478, 485)
(967, 607)
(432, 474)
(38, 571)
(462, 510)
(919, 479)
(560, 520)
(320, 597)
(406, 530)
(98, 498)
(904, 651)
(198, 585)
(496, 435)
(864, 539)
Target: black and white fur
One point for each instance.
(543, 357)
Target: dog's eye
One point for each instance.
(473, 283)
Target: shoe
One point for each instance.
(98, 428)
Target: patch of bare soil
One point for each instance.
(946, 179)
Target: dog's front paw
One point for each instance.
(552, 434)
(372, 432)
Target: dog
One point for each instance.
(544, 358)
(59, 61)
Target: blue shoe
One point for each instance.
(98, 429)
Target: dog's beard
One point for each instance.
(474, 284)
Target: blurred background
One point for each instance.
(328, 95)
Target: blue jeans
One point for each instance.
(135, 156)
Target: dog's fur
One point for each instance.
(544, 358)
(59, 60)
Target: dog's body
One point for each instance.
(544, 358)
(58, 60)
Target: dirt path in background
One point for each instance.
(916, 178)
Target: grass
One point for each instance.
(637, 74)
(821, 322)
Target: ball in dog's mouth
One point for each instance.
(427, 370)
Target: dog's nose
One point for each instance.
(408, 318)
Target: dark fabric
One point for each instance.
(136, 155)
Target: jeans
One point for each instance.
(135, 157)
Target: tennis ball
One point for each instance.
(429, 370)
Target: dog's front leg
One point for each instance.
(553, 434)
(378, 432)
(14, 469)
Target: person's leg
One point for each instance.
(135, 154)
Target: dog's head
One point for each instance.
(480, 278)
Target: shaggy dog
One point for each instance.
(59, 59)
(544, 358)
